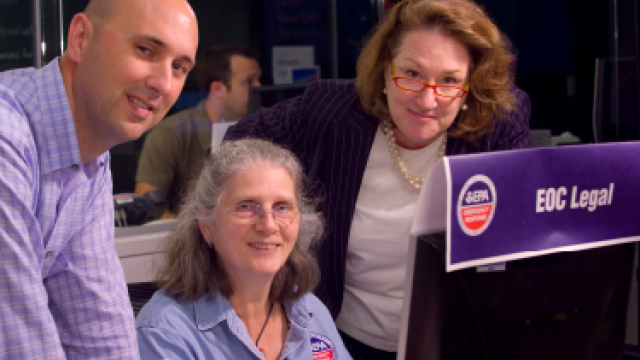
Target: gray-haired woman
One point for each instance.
(237, 272)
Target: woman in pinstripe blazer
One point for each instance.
(433, 79)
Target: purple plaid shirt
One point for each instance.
(62, 290)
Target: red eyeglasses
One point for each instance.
(415, 85)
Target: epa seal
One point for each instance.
(476, 205)
(321, 347)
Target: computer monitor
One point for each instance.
(615, 103)
(569, 305)
(267, 96)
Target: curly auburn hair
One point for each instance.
(490, 74)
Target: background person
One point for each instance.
(433, 79)
(173, 151)
(237, 272)
(62, 290)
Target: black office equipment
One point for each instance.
(133, 209)
(569, 305)
(615, 100)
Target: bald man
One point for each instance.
(62, 290)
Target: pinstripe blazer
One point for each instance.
(332, 137)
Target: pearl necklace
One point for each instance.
(415, 181)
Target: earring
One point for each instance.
(384, 90)
(464, 107)
(210, 245)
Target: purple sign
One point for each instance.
(516, 204)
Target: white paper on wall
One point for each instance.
(287, 57)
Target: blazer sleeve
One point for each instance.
(281, 124)
(512, 132)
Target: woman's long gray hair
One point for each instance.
(191, 269)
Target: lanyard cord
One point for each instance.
(264, 327)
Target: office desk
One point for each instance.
(138, 249)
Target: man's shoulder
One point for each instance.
(19, 85)
(11, 104)
(188, 119)
(167, 127)
(18, 105)
(168, 122)
(19, 74)
(31, 94)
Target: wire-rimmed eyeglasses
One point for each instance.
(283, 214)
(415, 85)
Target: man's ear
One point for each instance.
(218, 89)
(80, 33)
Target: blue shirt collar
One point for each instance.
(209, 312)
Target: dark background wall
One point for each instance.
(556, 42)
